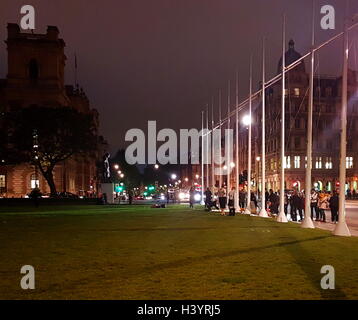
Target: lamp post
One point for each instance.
(282, 216)
(247, 122)
(341, 227)
(263, 212)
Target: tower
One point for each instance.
(36, 65)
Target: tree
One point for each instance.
(61, 133)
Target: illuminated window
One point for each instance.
(2, 181)
(287, 163)
(329, 163)
(297, 162)
(35, 183)
(349, 162)
(318, 162)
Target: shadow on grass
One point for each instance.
(192, 260)
(312, 269)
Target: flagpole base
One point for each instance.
(282, 218)
(342, 230)
(247, 211)
(307, 223)
(263, 213)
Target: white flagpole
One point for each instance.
(307, 222)
(263, 212)
(212, 146)
(342, 228)
(248, 206)
(208, 135)
(228, 149)
(282, 216)
(220, 151)
(202, 157)
(237, 186)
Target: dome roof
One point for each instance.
(291, 56)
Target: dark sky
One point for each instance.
(162, 60)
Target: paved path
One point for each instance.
(351, 217)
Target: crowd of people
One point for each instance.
(294, 204)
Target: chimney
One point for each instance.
(13, 30)
(52, 32)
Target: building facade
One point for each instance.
(326, 131)
(36, 68)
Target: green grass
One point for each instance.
(111, 252)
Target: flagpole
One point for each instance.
(220, 151)
(208, 135)
(307, 222)
(282, 216)
(342, 228)
(228, 149)
(263, 212)
(202, 157)
(248, 206)
(212, 146)
(237, 144)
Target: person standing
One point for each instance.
(208, 196)
(322, 206)
(130, 197)
(334, 206)
(314, 204)
(222, 200)
(242, 199)
(231, 203)
(191, 197)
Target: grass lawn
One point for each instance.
(122, 252)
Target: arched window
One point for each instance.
(33, 69)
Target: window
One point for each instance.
(329, 163)
(287, 163)
(349, 162)
(297, 162)
(2, 181)
(318, 162)
(35, 183)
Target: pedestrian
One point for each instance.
(334, 206)
(242, 199)
(314, 204)
(130, 197)
(295, 205)
(208, 196)
(254, 200)
(191, 197)
(231, 203)
(322, 206)
(222, 200)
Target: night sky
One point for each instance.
(141, 60)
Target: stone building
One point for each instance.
(36, 67)
(326, 131)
